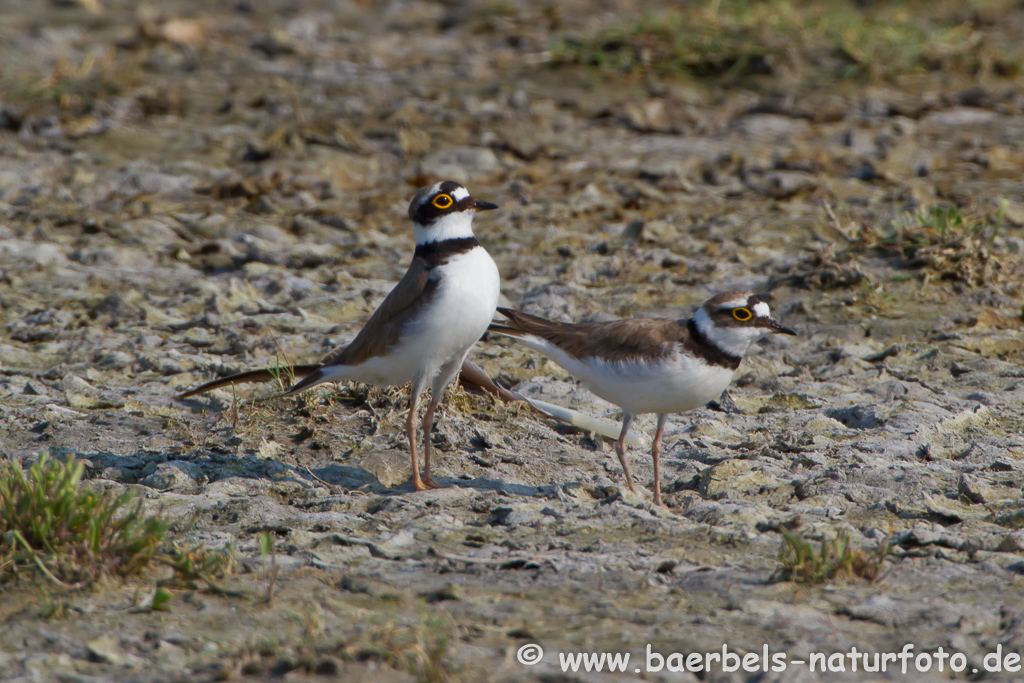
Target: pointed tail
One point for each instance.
(262, 375)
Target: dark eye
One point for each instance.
(442, 201)
(742, 314)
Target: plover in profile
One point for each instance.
(652, 365)
(423, 330)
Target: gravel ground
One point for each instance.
(188, 190)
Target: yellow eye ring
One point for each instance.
(442, 201)
(742, 314)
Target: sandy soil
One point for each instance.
(187, 189)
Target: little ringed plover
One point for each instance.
(652, 365)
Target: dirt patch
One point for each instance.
(197, 190)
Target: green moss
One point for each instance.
(836, 39)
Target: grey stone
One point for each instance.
(176, 475)
(462, 164)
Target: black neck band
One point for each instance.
(702, 346)
(437, 251)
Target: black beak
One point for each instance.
(777, 327)
(483, 206)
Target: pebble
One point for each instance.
(465, 165)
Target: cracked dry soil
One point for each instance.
(192, 189)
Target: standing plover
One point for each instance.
(423, 330)
(652, 365)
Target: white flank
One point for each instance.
(674, 385)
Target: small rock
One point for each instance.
(983, 397)
(856, 417)
(176, 475)
(958, 116)
(118, 474)
(116, 360)
(46, 666)
(734, 478)
(163, 183)
(1013, 542)
(45, 254)
(881, 609)
(771, 127)
(784, 184)
(1013, 519)
(462, 164)
(170, 653)
(107, 649)
(974, 489)
(648, 116)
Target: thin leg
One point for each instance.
(428, 425)
(656, 454)
(444, 377)
(620, 450)
(410, 428)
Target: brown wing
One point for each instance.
(415, 290)
(616, 340)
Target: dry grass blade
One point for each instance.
(422, 650)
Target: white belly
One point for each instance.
(457, 316)
(678, 384)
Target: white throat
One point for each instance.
(735, 341)
(453, 226)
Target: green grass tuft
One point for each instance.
(72, 535)
(834, 559)
(941, 240)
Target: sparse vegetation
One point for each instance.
(834, 559)
(51, 525)
(421, 650)
(70, 534)
(195, 562)
(270, 569)
(282, 371)
(837, 39)
(937, 242)
(941, 240)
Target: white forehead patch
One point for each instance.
(761, 310)
(459, 193)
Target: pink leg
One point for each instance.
(428, 426)
(620, 450)
(410, 429)
(656, 454)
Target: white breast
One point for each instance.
(463, 306)
(456, 317)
